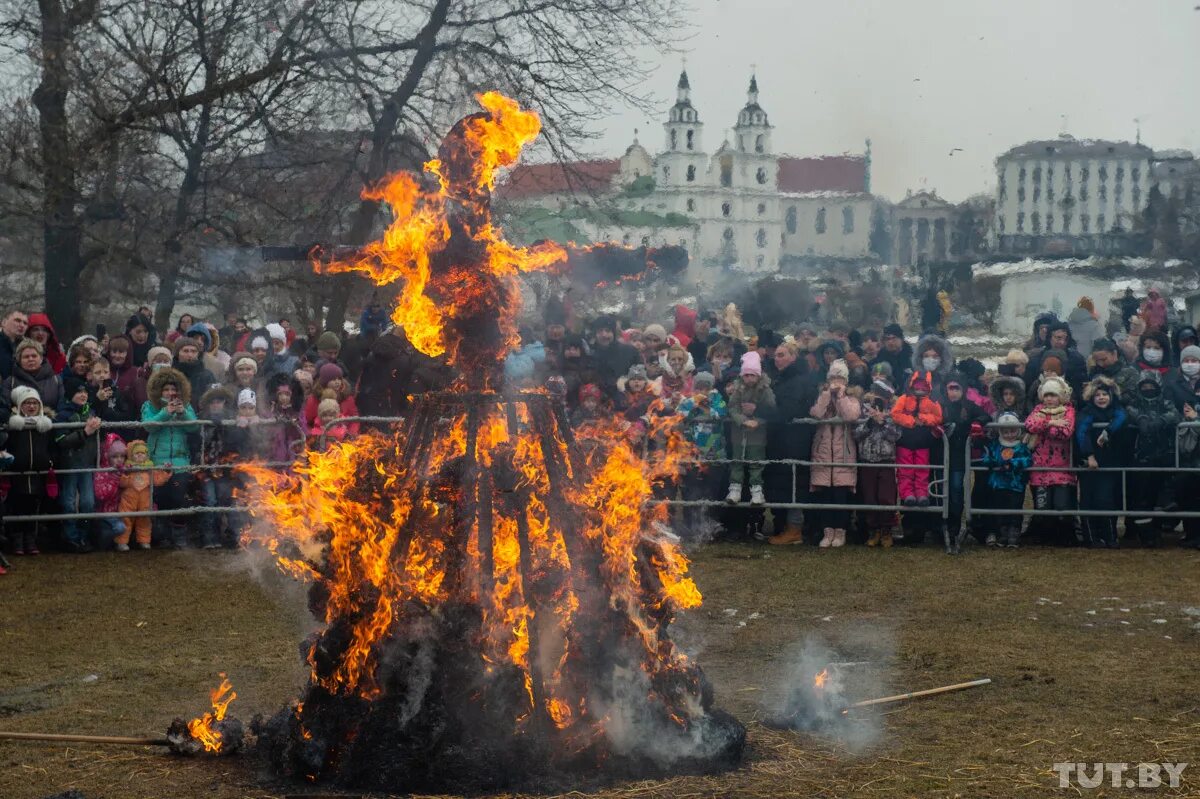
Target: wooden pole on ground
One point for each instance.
(89, 739)
(884, 700)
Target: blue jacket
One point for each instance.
(1113, 454)
(1007, 474)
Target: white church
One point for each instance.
(743, 207)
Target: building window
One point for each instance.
(1020, 194)
(790, 220)
(742, 143)
(1137, 196)
(1000, 221)
(1021, 176)
(726, 171)
(691, 173)
(1100, 226)
(760, 238)
(1037, 176)
(1066, 228)
(1120, 173)
(1049, 192)
(666, 173)
(758, 143)
(847, 219)
(1135, 174)
(691, 204)
(1020, 221)
(1037, 191)
(1035, 221)
(728, 234)
(1003, 187)
(1103, 174)
(1083, 192)
(1049, 223)
(691, 139)
(820, 222)
(762, 208)
(761, 176)
(1085, 223)
(726, 209)
(1103, 193)
(759, 261)
(674, 139)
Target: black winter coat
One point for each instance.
(795, 395)
(1154, 421)
(31, 453)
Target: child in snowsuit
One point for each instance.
(137, 487)
(1053, 423)
(221, 446)
(29, 444)
(704, 413)
(877, 434)
(963, 420)
(107, 488)
(751, 405)
(1154, 417)
(1007, 459)
(1101, 442)
(834, 443)
(919, 417)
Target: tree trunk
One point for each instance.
(377, 168)
(62, 259)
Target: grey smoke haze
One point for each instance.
(921, 78)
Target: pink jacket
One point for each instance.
(834, 443)
(1053, 448)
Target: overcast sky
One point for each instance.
(921, 78)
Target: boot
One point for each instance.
(792, 534)
(991, 540)
(756, 496)
(839, 538)
(827, 538)
(1012, 537)
(876, 536)
(735, 493)
(886, 541)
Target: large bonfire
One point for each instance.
(496, 596)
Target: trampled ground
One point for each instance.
(1093, 656)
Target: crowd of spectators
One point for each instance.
(834, 418)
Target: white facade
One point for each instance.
(1070, 194)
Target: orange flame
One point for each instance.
(821, 678)
(202, 728)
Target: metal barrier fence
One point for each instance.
(938, 486)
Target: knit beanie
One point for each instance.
(154, 352)
(1055, 385)
(752, 364)
(637, 372)
(244, 356)
(276, 331)
(704, 380)
(137, 445)
(894, 330)
(329, 341)
(116, 447)
(185, 341)
(882, 369)
(260, 343)
(1016, 358)
(1190, 351)
(1008, 419)
(883, 388)
(247, 397)
(657, 331)
(838, 369)
(327, 373)
(329, 406)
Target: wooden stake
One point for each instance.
(961, 686)
(89, 739)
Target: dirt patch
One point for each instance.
(1092, 655)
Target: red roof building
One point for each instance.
(846, 173)
(575, 177)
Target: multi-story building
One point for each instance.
(1072, 195)
(743, 206)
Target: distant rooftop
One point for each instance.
(1070, 146)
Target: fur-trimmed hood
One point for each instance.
(159, 378)
(1098, 382)
(944, 352)
(996, 390)
(217, 392)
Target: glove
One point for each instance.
(16, 422)
(42, 423)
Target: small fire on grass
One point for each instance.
(212, 733)
(815, 702)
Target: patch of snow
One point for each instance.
(1091, 613)
(1125, 622)
(1124, 610)
(1169, 638)
(827, 618)
(730, 611)
(755, 615)
(1159, 621)
(1191, 611)
(1031, 266)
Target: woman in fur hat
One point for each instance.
(168, 399)
(1100, 439)
(1053, 422)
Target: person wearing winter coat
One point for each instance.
(613, 358)
(1061, 346)
(331, 384)
(213, 357)
(1153, 310)
(963, 420)
(31, 371)
(1007, 459)
(934, 357)
(1085, 325)
(42, 331)
(1182, 384)
(29, 444)
(1153, 417)
(919, 417)
(279, 361)
(751, 407)
(1008, 396)
(142, 335)
(77, 448)
(1041, 332)
(1188, 487)
(168, 399)
(704, 413)
(1053, 423)
(1184, 336)
(284, 403)
(833, 443)
(137, 482)
(105, 397)
(787, 439)
(1101, 441)
(896, 352)
(876, 435)
(677, 370)
(188, 361)
(971, 371)
(1129, 307)
(222, 446)
(523, 367)
(1153, 353)
(1106, 361)
(106, 485)
(129, 382)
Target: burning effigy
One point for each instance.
(496, 598)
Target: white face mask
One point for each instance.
(931, 364)
(1152, 356)
(1190, 368)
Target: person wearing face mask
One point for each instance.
(1152, 353)
(934, 356)
(1183, 383)
(1100, 441)
(1153, 417)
